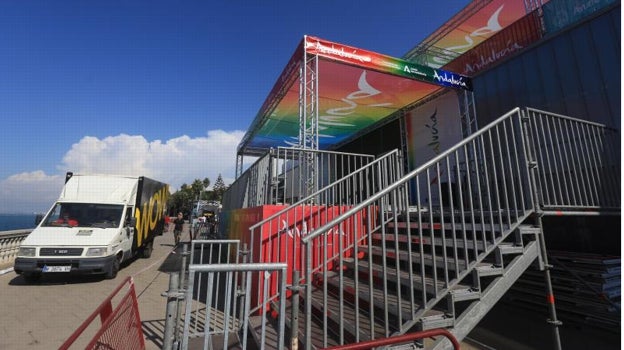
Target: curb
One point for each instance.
(5, 271)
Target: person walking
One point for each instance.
(167, 221)
(178, 224)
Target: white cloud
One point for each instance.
(29, 192)
(177, 161)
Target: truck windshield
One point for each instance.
(84, 215)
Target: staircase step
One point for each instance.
(436, 319)
(271, 334)
(485, 269)
(388, 302)
(447, 226)
(491, 294)
(426, 240)
(353, 322)
(529, 230)
(390, 275)
(447, 213)
(510, 248)
(316, 327)
(465, 294)
(404, 256)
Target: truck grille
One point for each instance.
(60, 252)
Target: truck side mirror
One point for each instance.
(132, 221)
(38, 218)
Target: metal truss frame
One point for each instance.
(308, 117)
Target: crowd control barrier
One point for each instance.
(120, 325)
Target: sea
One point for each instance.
(10, 222)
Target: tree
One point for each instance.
(199, 186)
(183, 199)
(219, 188)
(180, 201)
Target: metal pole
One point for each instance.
(185, 253)
(182, 284)
(532, 165)
(550, 296)
(171, 316)
(242, 292)
(294, 322)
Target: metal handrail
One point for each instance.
(487, 170)
(407, 177)
(579, 163)
(399, 339)
(259, 184)
(239, 190)
(324, 189)
(448, 152)
(319, 207)
(494, 172)
(490, 191)
(303, 169)
(235, 317)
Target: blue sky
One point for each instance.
(164, 89)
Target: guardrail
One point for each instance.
(399, 339)
(221, 317)
(120, 326)
(284, 175)
(10, 242)
(280, 234)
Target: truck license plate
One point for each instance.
(47, 268)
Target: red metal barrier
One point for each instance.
(370, 344)
(120, 326)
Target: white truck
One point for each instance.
(97, 223)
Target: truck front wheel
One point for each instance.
(112, 273)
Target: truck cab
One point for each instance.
(95, 225)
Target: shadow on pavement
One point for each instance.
(56, 279)
(153, 331)
(173, 261)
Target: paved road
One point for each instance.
(43, 315)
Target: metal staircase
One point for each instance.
(436, 248)
(397, 282)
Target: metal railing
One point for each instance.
(578, 163)
(120, 325)
(399, 339)
(303, 172)
(284, 175)
(220, 314)
(278, 237)
(10, 242)
(437, 225)
(252, 187)
(208, 253)
(459, 206)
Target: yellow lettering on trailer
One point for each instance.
(139, 228)
(152, 212)
(153, 219)
(143, 223)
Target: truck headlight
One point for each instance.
(97, 251)
(26, 251)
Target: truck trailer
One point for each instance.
(97, 223)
